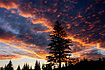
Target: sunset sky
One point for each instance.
(25, 26)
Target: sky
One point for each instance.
(25, 26)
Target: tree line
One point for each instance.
(86, 65)
(74, 64)
(26, 66)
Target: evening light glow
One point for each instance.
(25, 26)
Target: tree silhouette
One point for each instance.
(31, 68)
(18, 68)
(1, 68)
(25, 67)
(9, 66)
(59, 46)
(37, 65)
(5, 67)
(43, 66)
(47, 66)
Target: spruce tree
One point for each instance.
(59, 46)
(5, 68)
(1, 68)
(25, 67)
(37, 65)
(10, 66)
(43, 67)
(31, 68)
(18, 68)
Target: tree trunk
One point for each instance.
(59, 64)
(59, 61)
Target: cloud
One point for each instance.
(5, 35)
(24, 53)
(27, 24)
(8, 57)
(29, 47)
(8, 4)
(41, 54)
(94, 54)
(90, 53)
(26, 48)
(12, 11)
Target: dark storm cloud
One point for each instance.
(5, 35)
(23, 29)
(1, 31)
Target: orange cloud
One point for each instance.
(79, 15)
(25, 14)
(8, 5)
(45, 23)
(23, 46)
(68, 26)
(12, 11)
(80, 41)
(101, 12)
(99, 46)
(74, 2)
(91, 5)
(8, 57)
(12, 5)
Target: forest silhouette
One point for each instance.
(83, 64)
(60, 52)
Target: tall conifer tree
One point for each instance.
(10, 66)
(18, 68)
(59, 46)
(37, 65)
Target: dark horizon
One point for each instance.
(74, 64)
